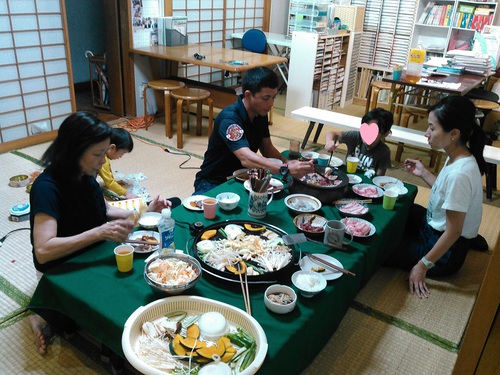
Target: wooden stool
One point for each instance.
(167, 86)
(372, 96)
(188, 95)
(375, 87)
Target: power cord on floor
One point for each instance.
(2, 240)
(185, 161)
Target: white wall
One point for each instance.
(279, 16)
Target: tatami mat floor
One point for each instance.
(385, 331)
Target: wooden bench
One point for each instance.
(407, 136)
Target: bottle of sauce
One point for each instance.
(415, 64)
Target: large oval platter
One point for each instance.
(267, 234)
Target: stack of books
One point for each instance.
(470, 61)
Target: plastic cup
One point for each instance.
(294, 152)
(352, 164)
(124, 255)
(389, 201)
(209, 208)
(323, 159)
(397, 70)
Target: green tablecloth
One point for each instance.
(89, 290)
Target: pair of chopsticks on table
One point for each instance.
(346, 201)
(244, 290)
(328, 264)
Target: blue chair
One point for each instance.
(254, 40)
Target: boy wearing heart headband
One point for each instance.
(367, 143)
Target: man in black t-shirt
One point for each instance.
(242, 129)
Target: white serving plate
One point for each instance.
(400, 189)
(313, 201)
(336, 162)
(381, 181)
(361, 186)
(372, 227)
(139, 248)
(193, 198)
(307, 263)
(192, 305)
(275, 186)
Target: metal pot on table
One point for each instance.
(325, 194)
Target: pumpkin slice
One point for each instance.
(254, 227)
(207, 352)
(192, 343)
(230, 352)
(177, 348)
(237, 270)
(208, 234)
(193, 331)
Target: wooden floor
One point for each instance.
(84, 103)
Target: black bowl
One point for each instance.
(325, 194)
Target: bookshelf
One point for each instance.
(443, 25)
(322, 70)
(306, 15)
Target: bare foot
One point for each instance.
(41, 331)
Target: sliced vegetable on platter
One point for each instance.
(167, 344)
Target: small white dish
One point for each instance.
(302, 203)
(193, 202)
(280, 307)
(309, 155)
(275, 186)
(308, 264)
(348, 221)
(149, 220)
(336, 162)
(228, 201)
(354, 179)
(381, 181)
(143, 248)
(308, 283)
(274, 160)
(367, 190)
(400, 189)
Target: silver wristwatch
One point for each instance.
(427, 263)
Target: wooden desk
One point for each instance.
(215, 57)
(467, 82)
(279, 45)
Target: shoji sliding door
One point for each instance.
(35, 70)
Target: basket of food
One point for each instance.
(184, 334)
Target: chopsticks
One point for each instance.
(141, 242)
(328, 264)
(259, 179)
(346, 201)
(244, 290)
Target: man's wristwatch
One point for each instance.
(284, 171)
(427, 263)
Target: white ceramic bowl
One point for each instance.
(277, 307)
(228, 201)
(149, 220)
(308, 283)
(302, 203)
